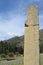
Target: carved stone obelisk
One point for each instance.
(31, 37)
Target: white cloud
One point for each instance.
(11, 33)
(11, 25)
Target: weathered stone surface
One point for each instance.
(31, 38)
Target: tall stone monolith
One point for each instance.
(31, 37)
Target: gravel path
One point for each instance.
(12, 62)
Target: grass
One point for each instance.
(19, 61)
(18, 64)
(41, 59)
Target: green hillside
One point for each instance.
(19, 40)
(41, 40)
(16, 44)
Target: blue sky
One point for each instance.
(13, 14)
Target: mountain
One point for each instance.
(41, 34)
(18, 40)
(41, 41)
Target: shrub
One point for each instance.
(11, 54)
(3, 56)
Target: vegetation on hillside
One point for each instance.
(6, 48)
(16, 45)
(41, 40)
